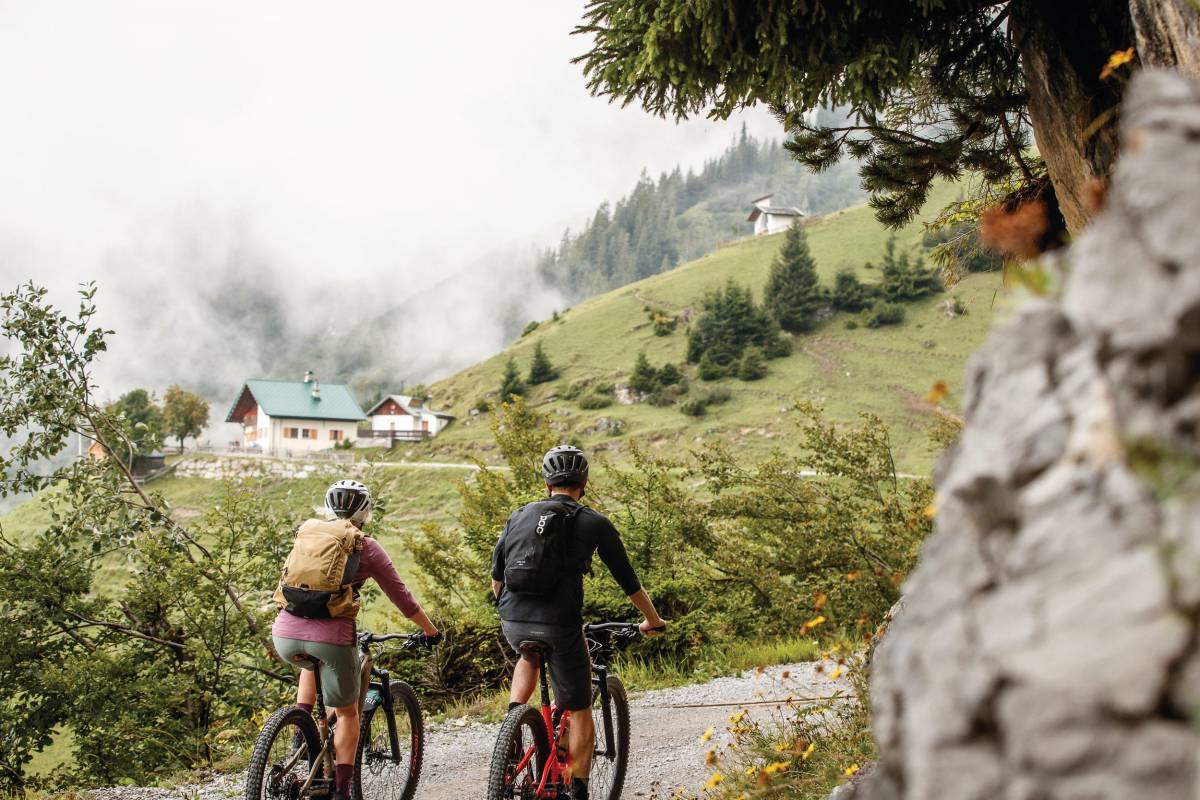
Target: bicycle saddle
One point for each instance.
(532, 647)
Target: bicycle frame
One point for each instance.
(557, 770)
(382, 685)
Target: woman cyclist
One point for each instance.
(300, 636)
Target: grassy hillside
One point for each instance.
(885, 371)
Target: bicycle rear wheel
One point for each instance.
(522, 730)
(384, 773)
(282, 755)
(609, 763)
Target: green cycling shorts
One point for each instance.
(340, 668)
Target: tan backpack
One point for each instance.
(317, 574)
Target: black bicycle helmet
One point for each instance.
(564, 465)
(347, 499)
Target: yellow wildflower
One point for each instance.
(850, 770)
(750, 770)
(708, 734)
(777, 766)
(713, 781)
(837, 671)
(808, 751)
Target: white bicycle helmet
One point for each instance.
(348, 499)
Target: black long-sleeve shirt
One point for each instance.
(590, 533)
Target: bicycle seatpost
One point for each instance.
(545, 684)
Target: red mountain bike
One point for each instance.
(530, 758)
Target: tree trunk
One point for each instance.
(1063, 46)
(1168, 34)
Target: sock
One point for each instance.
(341, 781)
(305, 707)
(579, 789)
(513, 705)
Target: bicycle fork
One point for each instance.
(602, 676)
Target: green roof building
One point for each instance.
(292, 417)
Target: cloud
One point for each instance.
(244, 178)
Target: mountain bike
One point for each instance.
(293, 754)
(530, 758)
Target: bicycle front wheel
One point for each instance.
(522, 752)
(386, 772)
(611, 758)
(283, 754)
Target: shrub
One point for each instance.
(574, 389)
(667, 395)
(885, 314)
(849, 293)
(718, 395)
(779, 346)
(530, 328)
(753, 365)
(593, 400)
(709, 369)
(693, 406)
(664, 323)
(669, 375)
(851, 324)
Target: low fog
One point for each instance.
(249, 183)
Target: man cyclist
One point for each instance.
(555, 617)
(331, 640)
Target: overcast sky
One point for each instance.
(344, 140)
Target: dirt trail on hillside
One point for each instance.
(666, 726)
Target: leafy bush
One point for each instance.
(958, 248)
(664, 323)
(593, 400)
(885, 314)
(851, 324)
(667, 395)
(753, 365)
(718, 395)
(530, 328)
(694, 406)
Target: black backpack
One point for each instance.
(535, 546)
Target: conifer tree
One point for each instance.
(644, 377)
(902, 279)
(511, 384)
(792, 294)
(752, 366)
(849, 293)
(540, 369)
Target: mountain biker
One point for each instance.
(331, 640)
(556, 616)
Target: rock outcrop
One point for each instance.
(1050, 642)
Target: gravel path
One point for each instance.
(666, 728)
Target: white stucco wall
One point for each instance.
(281, 444)
(400, 422)
(776, 222)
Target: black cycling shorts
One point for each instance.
(567, 657)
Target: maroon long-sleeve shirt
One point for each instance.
(375, 564)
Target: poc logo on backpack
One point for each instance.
(535, 547)
(317, 575)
